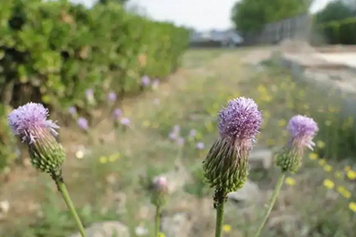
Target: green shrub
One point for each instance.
(52, 51)
(340, 32)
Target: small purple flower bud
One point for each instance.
(192, 133)
(160, 191)
(145, 81)
(30, 123)
(180, 141)
(72, 110)
(226, 165)
(172, 136)
(117, 114)
(200, 146)
(302, 130)
(111, 97)
(83, 123)
(125, 121)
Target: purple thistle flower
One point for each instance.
(172, 136)
(72, 110)
(240, 121)
(200, 146)
(145, 81)
(83, 123)
(302, 130)
(111, 97)
(180, 141)
(160, 191)
(117, 114)
(192, 133)
(125, 121)
(30, 121)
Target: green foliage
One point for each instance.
(340, 32)
(334, 11)
(52, 51)
(250, 15)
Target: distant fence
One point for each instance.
(272, 33)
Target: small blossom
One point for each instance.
(117, 113)
(290, 181)
(352, 206)
(192, 133)
(313, 156)
(227, 229)
(347, 168)
(302, 130)
(83, 123)
(160, 191)
(111, 97)
(329, 184)
(200, 146)
(344, 192)
(351, 175)
(145, 81)
(172, 136)
(141, 231)
(125, 121)
(72, 110)
(180, 141)
(328, 168)
(89, 93)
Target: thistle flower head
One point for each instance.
(226, 164)
(125, 121)
(200, 146)
(160, 191)
(72, 110)
(30, 123)
(240, 119)
(27, 120)
(111, 97)
(145, 81)
(302, 130)
(83, 123)
(117, 113)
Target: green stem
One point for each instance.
(271, 203)
(219, 218)
(158, 221)
(62, 188)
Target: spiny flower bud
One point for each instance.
(30, 123)
(302, 130)
(226, 166)
(160, 191)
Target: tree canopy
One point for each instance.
(249, 15)
(334, 11)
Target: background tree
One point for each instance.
(335, 11)
(249, 15)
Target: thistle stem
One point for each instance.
(219, 219)
(63, 189)
(157, 221)
(271, 203)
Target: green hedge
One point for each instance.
(52, 51)
(340, 32)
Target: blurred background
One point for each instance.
(136, 87)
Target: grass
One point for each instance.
(107, 187)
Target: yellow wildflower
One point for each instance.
(79, 154)
(103, 159)
(329, 184)
(328, 168)
(352, 206)
(347, 168)
(290, 181)
(313, 156)
(227, 228)
(114, 157)
(351, 174)
(338, 174)
(146, 124)
(320, 144)
(322, 162)
(344, 192)
(282, 122)
(161, 234)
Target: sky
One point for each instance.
(199, 14)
